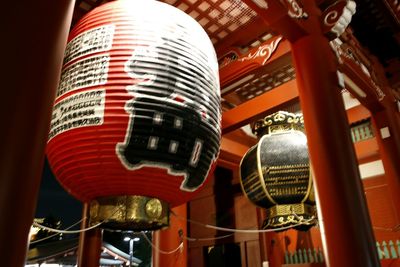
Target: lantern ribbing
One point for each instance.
(136, 121)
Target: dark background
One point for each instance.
(54, 200)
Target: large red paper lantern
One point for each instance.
(136, 121)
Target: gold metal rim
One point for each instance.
(129, 213)
(287, 209)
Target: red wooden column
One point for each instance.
(270, 248)
(346, 228)
(90, 242)
(169, 239)
(34, 35)
(387, 132)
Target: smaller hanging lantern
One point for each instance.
(275, 173)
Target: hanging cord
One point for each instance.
(73, 231)
(53, 235)
(180, 247)
(193, 239)
(250, 231)
(58, 231)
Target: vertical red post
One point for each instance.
(169, 239)
(34, 38)
(346, 229)
(387, 132)
(270, 248)
(90, 242)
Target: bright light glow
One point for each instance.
(371, 169)
(349, 100)
(127, 238)
(299, 138)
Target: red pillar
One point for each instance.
(270, 247)
(169, 239)
(34, 35)
(90, 243)
(387, 132)
(346, 229)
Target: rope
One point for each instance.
(250, 231)
(74, 231)
(193, 239)
(180, 247)
(65, 231)
(247, 231)
(51, 236)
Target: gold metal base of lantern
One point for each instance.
(134, 213)
(290, 209)
(300, 215)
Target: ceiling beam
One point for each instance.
(276, 16)
(266, 55)
(242, 36)
(264, 104)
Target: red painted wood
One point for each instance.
(305, 265)
(249, 63)
(390, 263)
(271, 249)
(241, 36)
(276, 16)
(34, 36)
(347, 232)
(169, 239)
(259, 106)
(357, 113)
(389, 149)
(371, 101)
(90, 242)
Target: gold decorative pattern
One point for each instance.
(291, 214)
(130, 213)
(281, 121)
(264, 51)
(277, 171)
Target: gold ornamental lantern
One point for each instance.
(275, 174)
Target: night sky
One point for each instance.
(54, 200)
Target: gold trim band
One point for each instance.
(290, 209)
(129, 213)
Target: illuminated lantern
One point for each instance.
(136, 120)
(275, 173)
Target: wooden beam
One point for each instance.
(256, 59)
(366, 150)
(360, 85)
(242, 36)
(276, 16)
(266, 103)
(232, 151)
(357, 113)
